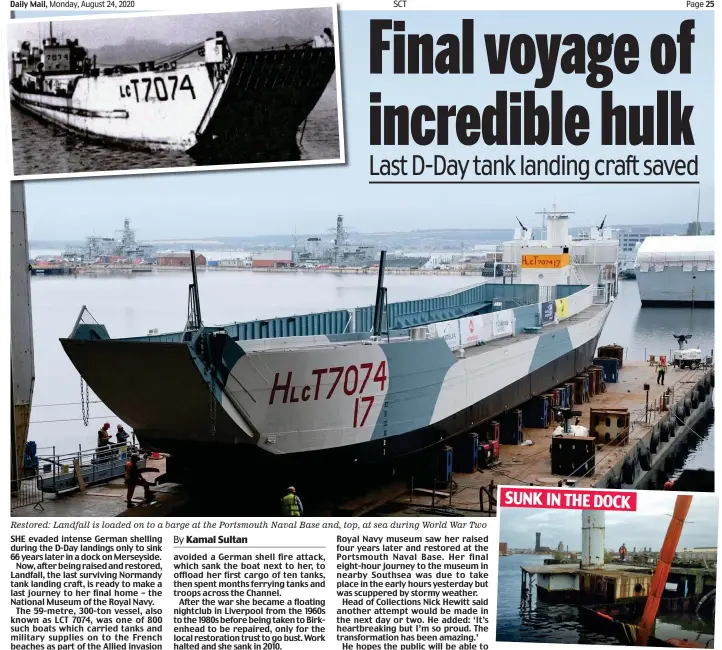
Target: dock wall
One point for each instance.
(664, 447)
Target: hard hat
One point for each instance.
(290, 488)
(120, 426)
(106, 425)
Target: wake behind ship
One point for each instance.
(365, 385)
(226, 107)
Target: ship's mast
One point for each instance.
(554, 214)
(51, 30)
(340, 239)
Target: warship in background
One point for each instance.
(676, 271)
(341, 252)
(107, 249)
(222, 105)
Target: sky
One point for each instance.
(275, 201)
(644, 528)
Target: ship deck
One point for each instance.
(319, 343)
(530, 464)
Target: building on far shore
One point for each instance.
(180, 260)
(279, 259)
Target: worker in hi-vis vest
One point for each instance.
(661, 370)
(291, 504)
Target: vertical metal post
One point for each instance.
(196, 298)
(379, 306)
(22, 364)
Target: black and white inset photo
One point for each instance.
(164, 92)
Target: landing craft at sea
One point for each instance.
(227, 107)
(335, 388)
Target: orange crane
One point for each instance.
(661, 573)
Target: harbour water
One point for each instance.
(540, 622)
(131, 305)
(40, 148)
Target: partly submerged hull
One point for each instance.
(338, 402)
(251, 115)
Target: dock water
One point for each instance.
(537, 620)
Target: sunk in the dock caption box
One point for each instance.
(569, 499)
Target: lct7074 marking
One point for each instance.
(155, 89)
(342, 380)
(355, 381)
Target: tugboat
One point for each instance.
(223, 108)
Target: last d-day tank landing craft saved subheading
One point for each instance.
(218, 107)
(367, 384)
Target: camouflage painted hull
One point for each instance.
(322, 397)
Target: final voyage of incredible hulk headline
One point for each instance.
(539, 116)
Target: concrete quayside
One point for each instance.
(660, 430)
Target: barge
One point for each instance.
(219, 107)
(352, 387)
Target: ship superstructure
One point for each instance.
(559, 259)
(339, 251)
(124, 246)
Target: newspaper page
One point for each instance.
(363, 326)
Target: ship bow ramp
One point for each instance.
(158, 389)
(264, 102)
